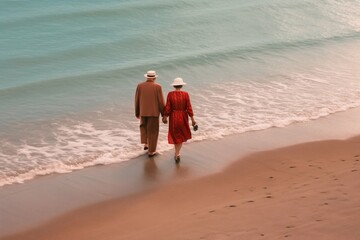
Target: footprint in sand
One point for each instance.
(292, 167)
(332, 198)
(354, 170)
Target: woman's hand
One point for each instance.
(193, 123)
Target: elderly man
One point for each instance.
(149, 104)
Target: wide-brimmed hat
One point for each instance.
(151, 74)
(178, 82)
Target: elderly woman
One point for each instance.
(178, 108)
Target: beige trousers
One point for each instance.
(149, 130)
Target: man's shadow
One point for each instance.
(150, 169)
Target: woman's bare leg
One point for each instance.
(177, 149)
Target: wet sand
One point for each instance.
(306, 191)
(251, 198)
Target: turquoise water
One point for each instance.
(69, 69)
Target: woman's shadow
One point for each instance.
(151, 171)
(181, 171)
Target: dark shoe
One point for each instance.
(177, 159)
(152, 154)
(146, 148)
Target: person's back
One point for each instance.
(149, 99)
(179, 100)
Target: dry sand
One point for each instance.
(305, 191)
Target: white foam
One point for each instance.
(220, 110)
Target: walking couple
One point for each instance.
(149, 104)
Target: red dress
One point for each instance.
(178, 108)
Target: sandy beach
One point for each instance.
(304, 191)
(298, 182)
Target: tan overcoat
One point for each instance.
(149, 99)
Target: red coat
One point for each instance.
(178, 108)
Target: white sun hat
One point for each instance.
(178, 82)
(150, 74)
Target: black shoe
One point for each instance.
(146, 148)
(177, 159)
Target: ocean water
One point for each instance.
(68, 72)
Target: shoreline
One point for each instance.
(36, 202)
(303, 191)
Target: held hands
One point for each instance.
(164, 120)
